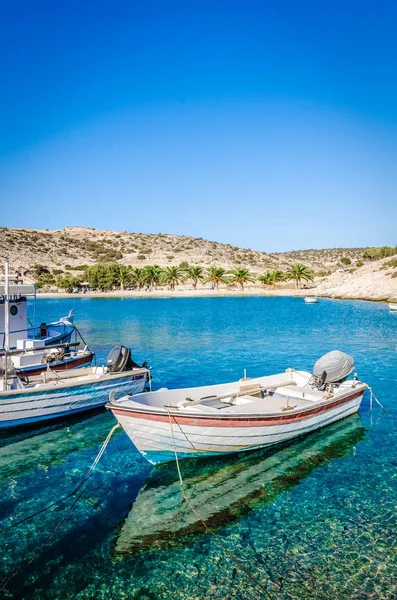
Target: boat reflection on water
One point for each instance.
(224, 489)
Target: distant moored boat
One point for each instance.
(311, 299)
(393, 306)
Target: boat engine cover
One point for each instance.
(337, 365)
(119, 359)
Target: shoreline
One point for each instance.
(206, 293)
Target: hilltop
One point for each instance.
(74, 246)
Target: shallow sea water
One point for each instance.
(315, 519)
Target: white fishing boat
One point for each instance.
(55, 394)
(239, 416)
(311, 299)
(393, 306)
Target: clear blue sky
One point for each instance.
(266, 124)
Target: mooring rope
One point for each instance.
(74, 491)
(207, 528)
(64, 518)
(373, 397)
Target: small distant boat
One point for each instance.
(393, 306)
(239, 416)
(311, 299)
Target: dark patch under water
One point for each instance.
(312, 519)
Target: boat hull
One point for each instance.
(393, 306)
(157, 437)
(17, 409)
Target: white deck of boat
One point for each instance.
(269, 404)
(291, 397)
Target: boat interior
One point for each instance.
(284, 392)
(53, 377)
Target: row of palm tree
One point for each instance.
(297, 273)
(105, 276)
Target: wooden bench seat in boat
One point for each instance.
(304, 393)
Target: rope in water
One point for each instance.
(207, 528)
(373, 397)
(74, 491)
(60, 523)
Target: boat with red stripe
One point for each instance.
(241, 415)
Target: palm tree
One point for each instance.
(266, 278)
(271, 277)
(172, 276)
(124, 276)
(298, 272)
(153, 275)
(195, 274)
(216, 275)
(241, 276)
(137, 277)
(276, 276)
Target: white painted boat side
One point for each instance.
(70, 379)
(154, 438)
(393, 306)
(48, 402)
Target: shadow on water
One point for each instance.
(223, 490)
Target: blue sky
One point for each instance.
(270, 125)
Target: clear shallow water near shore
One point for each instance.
(314, 519)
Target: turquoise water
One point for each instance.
(314, 519)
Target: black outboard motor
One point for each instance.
(119, 359)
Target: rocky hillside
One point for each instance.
(66, 249)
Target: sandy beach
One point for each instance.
(180, 293)
(207, 293)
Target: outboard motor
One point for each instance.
(119, 359)
(333, 367)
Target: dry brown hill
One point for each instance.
(73, 246)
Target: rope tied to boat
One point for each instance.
(373, 397)
(200, 518)
(74, 492)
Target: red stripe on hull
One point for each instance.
(73, 364)
(236, 421)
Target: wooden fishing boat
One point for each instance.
(56, 394)
(74, 391)
(239, 416)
